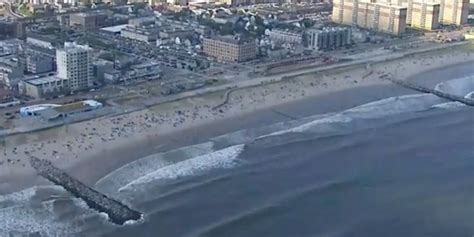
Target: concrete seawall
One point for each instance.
(118, 213)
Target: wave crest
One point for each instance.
(224, 158)
(459, 87)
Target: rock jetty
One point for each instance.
(117, 212)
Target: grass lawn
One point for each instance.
(23, 10)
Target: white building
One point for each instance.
(74, 63)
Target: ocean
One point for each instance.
(399, 166)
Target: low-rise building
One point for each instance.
(66, 110)
(194, 25)
(43, 87)
(172, 33)
(87, 20)
(7, 99)
(40, 55)
(100, 66)
(39, 63)
(147, 71)
(286, 36)
(11, 71)
(50, 112)
(230, 48)
(142, 29)
(142, 71)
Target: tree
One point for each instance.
(227, 29)
(307, 22)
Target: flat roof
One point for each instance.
(42, 80)
(232, 39)
(71, 107)
(74, 48)
(114, 29)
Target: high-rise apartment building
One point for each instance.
(74, 63)
(450, 11)
(424, 15)
(380, 17)
(453, 11)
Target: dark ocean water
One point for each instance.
(402, 166)
(411, 178)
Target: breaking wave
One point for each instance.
(374, 110)
(50, 211)
(225, 158)
(470, 95)
(136, 169)
(449, 105)
(460, 87)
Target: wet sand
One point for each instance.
(91, 149)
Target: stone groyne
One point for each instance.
(117, 212)
(422, 89)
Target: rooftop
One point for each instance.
(42, 80)
(71, 107)
(9, 61)
(73, 47)
(114, 29)
(232, 39)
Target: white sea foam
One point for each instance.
(135, 222)
(338, 118)
(27, 219)
(393, 105)
(224, 158)
(470, 95)
(459, 86)
(136, 169)
(18, 197)
(25, 195)
(449, 105)
(34, 210)
(377, 109)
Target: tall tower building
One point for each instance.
(74, 63)
(453, 11)
(450, 11)
(424, 15)
(369, 14)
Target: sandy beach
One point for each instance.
(90, 149)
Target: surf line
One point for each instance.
(422, 89)
(117, 212)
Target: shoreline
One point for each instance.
(259, 81)
(244, 108)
